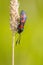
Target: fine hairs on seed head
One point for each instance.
(14, 14)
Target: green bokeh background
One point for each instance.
(30, 50)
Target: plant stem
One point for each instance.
(13, 45)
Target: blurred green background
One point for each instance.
(30, 50)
